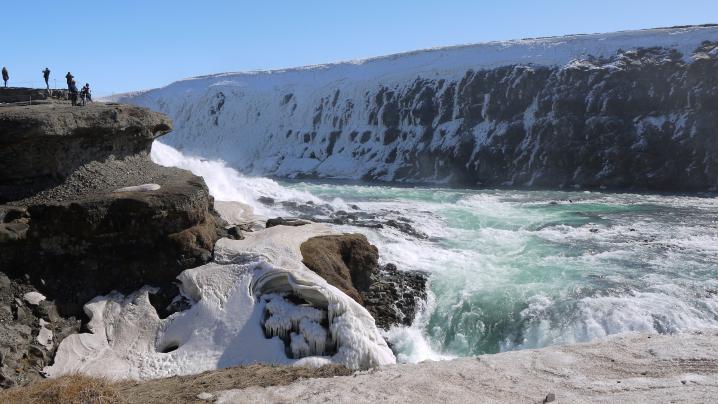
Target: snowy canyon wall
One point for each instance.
(632, 110)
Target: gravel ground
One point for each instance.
(102, 177)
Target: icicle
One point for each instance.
(315, 334)
(299, 346)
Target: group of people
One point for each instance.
(76, 96)
(84, 93)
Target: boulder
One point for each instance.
(350, 263)
(286, 221)
(346, 261)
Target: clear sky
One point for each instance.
(127, 45)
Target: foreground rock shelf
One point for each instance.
(628, 368)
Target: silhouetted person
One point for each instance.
(46, 76)
(85, 94)
(73, 92)
(69, 78)
(5, 75)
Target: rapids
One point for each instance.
(512, 269)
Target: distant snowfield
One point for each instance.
(234, 299)
(323, 120)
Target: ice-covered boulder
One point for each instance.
(256, 303)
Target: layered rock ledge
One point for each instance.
(40, 145)
(83, 212)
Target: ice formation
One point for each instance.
(256, 303)
(383, 117)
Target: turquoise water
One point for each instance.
(520, 269)
(525, 269)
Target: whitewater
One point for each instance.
(513, 269)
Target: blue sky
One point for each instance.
(127, 45)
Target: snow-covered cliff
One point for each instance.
(636, 109)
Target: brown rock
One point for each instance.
(347, 261)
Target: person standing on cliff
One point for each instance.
(69, 78)
(5, 75)
(85, 94)
(46, 76)
(73, 92)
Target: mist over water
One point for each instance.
(521, 269)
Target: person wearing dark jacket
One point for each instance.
(5, 75)
(73, 92)
(85, 94)
(69, 78)
(46, 76)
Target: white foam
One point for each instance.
(227, 184)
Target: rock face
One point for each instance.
(70, 229)
(40, 145)
(29, 333)
(115, 241)
(350, 263)
(629, 110)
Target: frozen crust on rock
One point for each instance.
(256, 303)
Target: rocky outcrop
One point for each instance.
(350, 263)
(40, 145)
(87, 211)
(115, 241)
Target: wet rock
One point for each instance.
(266, 200)
(406, 228)
(289, 221)
(395, 296)
(235, 233)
